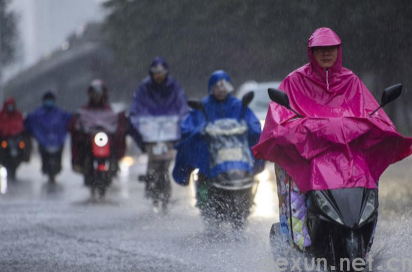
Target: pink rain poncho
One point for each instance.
(336, 144)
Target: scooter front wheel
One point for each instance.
(52, 178)
(102, 192)
(11, 172)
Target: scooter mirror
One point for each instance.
(196, 105)
(390, 94)
(247, 98)
(279, 97)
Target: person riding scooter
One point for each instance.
(216, 140)
(158, 107)
(98, 139)
(330, 141)
(48, 124)
(11, 119)
(15, 145)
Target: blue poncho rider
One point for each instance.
(193, 152)
(48, 124)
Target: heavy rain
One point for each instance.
(188, 135)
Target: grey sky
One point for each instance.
(45, 24)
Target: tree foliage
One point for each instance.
(259, 39)
(8, 33)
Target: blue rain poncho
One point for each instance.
(193, 151)
(48, 125)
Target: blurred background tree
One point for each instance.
(261, 40)
(8, 34)
(8, 37)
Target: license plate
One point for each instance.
(230, 154)
(13, 152)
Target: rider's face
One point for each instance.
(10, 108)
(159, 78)
(325, 56)
(96, 97)
(219, 92)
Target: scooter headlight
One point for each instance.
(370, 207)
(101, 139)
(262, 123)
(321, 201)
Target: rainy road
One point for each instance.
(58, 228)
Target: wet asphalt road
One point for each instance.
(59, 228)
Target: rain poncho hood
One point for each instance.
(156, 62)
(216, 77)
(193, 149)
(11, 123)
(48, 125)
(336, 144)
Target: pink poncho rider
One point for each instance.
(336, 144)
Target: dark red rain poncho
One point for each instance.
(336, 144)
(11, 123)
(78, 136)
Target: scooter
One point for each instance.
(51, 156)
(229, 195)
(340, 222)
(99, 162)
(159, 133)
(14, 150)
